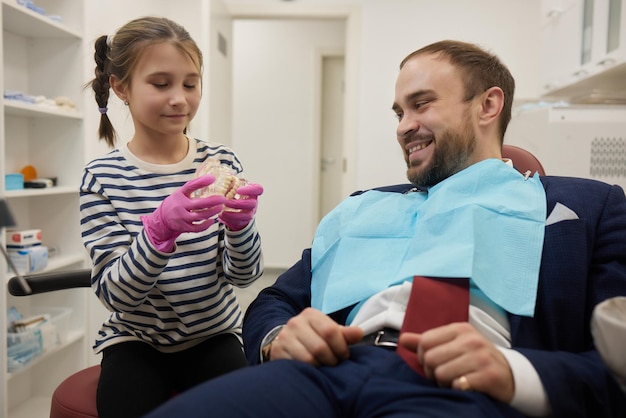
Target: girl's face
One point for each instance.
(164, 92)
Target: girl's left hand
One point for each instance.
(238, 213)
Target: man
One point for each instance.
(540, 253)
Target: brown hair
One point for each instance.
(120, 54)
(479, 69)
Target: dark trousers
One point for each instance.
(136, 378)
(375, 382)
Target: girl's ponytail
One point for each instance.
(101, 89)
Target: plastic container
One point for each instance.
(29, 259)
(13, 181)
(24, 347)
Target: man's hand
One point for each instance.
(454, 351)
(314, 338)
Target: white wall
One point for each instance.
(218, 88)
(274, 124)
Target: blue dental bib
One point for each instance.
(486, 222)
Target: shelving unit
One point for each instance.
(41, 56)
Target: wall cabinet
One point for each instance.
(560, 47)
(42, 55)
(584, 49)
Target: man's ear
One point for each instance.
(491, 106)
(118, 89)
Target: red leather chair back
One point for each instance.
(523, 160)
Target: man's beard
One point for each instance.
(451, 155)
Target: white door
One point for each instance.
(331, 130)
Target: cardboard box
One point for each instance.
(28, 260)
(22, 238)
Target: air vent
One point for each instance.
(608, 157)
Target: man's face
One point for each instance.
(435, 128)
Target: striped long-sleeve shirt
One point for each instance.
(171, 301)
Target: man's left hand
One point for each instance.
(458, 356)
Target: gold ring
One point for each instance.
(464, 385)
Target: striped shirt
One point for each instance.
(171, 301)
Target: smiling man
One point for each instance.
(536, 254)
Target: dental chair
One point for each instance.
(523, 160)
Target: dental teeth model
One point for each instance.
(226, 182)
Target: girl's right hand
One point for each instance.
(180, 213)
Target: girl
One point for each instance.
(164, 263)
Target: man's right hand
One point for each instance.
(314, 338)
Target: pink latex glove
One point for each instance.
(242, 209)
(179, 213)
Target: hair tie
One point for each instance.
(103, 110)
(109, 40)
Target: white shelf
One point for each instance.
(59, 262)
(602, 81)
(24, 22)
(72, 337)
(56, 263)
(17, 108)
(57, 190)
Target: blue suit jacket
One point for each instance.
(583, 263)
